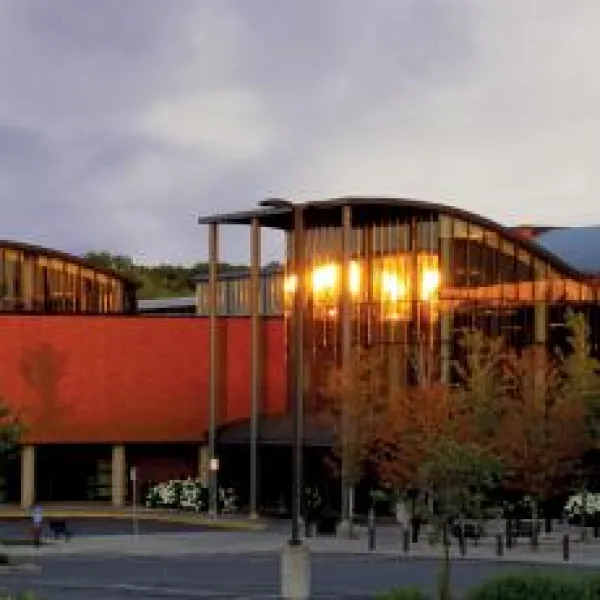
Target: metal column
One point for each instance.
(255, 295)
(213, 257)
(297, 384)
(346, 338)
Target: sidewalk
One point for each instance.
(226, 522)
(237, 542)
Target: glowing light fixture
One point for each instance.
(354, 279)
(290, 283)
(392, 287)
(430, 282)
(324, 279)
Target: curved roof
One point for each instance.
(70, 258)
(577, 246)
(278, 214)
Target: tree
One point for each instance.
(419, 416)
(458, 475)
(412, 422)
(355, 399)
(10, 430)
(581, 373)
(543, 433)
(581, 387)
(478, 399)
(158, 281)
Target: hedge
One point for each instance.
(538, 586)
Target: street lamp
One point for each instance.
(296, 285)
(297, 374)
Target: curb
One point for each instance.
(160, 517)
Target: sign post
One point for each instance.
(213, 501)
(134, 516)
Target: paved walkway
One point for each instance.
(237, 542)
(232, 522)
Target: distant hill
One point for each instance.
(160, 281)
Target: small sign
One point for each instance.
(214, 464)
(132, 474)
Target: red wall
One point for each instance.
(129, 379)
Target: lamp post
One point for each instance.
(295, 576)
(297, 375)
(296, 388)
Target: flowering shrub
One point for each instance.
(189, 494)
(583, 503)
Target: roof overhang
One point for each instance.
(278, 431)
(370, 210)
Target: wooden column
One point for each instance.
(118, 476)
(27, 476)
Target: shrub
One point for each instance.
(409, 593)
(188, 494)
(531, 586)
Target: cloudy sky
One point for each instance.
(121, 121)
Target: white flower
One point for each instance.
(583, 502)
(189, 494)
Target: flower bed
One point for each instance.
(189, 495)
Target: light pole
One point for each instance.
(297, 375)
(296, 387)
(295, 579)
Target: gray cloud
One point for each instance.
(120, 121)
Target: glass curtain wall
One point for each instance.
(37, 283)
(415, 282)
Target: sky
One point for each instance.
(121, 122)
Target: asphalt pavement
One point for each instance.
(251, 576)
(169, 560)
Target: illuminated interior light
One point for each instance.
(324, 279)
(290, 284)
(331, 312)
(392, 287)
(354, 279)
(430, 283)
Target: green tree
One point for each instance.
(157, 281)
(581, 387)
(458, 475)
(10, 430)
(478, 399)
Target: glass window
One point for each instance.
(428, 235)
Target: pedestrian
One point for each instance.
(37, 519)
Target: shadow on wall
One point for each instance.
(43, 368)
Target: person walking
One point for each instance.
(37, 520)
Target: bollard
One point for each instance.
(462, 542)
(535, 538)
(596, 530)
(406, 540)
(415, 527)
(499, 545)
(445, 535)
(509, 537)
(565, 547)
(371, 529)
